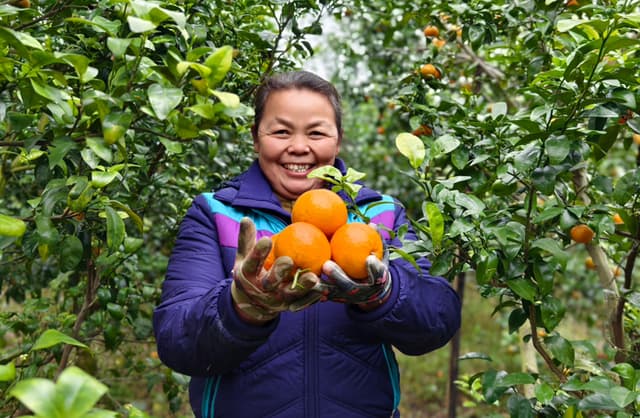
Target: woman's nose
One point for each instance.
(299, 143)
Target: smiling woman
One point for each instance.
(253, 344)
(296, 134)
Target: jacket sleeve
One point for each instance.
(198, 333)
(423, 312)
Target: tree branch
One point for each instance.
(540, 348)
(93, 283)
(607, 279)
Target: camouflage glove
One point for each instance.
(260, 295)
(367, 294)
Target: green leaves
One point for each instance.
(411, 147)
(52, 337)
(114, 126)
(219, 62)
(627, 187)
(11, 227)
(115, 229)
(7, 372)
(112, 118)
(74, 395)
(163, 99)
(436, 223)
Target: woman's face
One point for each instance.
(297, 134)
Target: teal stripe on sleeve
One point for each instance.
(218, 207)
(262, 220)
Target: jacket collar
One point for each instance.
(251, 189)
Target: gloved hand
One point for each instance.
(367, 294)
(260, 295)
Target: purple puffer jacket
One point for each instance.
(330, 360)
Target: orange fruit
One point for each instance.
(271, 257)
(381, 130)
(589, 263)
(582, 234)
(430, 70)
(617, 219)
(439, 43)
(573, 3)
(351, 244)
(636, 139)
(322, 208)
(306, 244)
(24, 4)
(431, 31)
(422, 130)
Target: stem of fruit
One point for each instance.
(294, 283)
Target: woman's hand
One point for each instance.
(259, 295)
(366, 294)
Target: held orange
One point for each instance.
(351, 244)
(582, 233)
(307, 246)
(322, 208)
(271, 257)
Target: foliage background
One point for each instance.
(114, 114)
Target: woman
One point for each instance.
(252, 345)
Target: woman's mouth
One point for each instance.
(298, 168)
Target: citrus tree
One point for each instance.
(518, 122)
(113, 115)
(515, 122)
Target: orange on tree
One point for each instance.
(636, 139)
(351, 244)
(430, 70)
(422, 130)
(306, 244)
(573, 3)
(431, 31)
(617, 219)
(589, 263)
(439, 43)
(582, 233)
(24, 4)
(322, 208)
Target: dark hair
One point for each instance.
(297, 80)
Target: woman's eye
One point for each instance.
(317, 134)
(280, 132)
